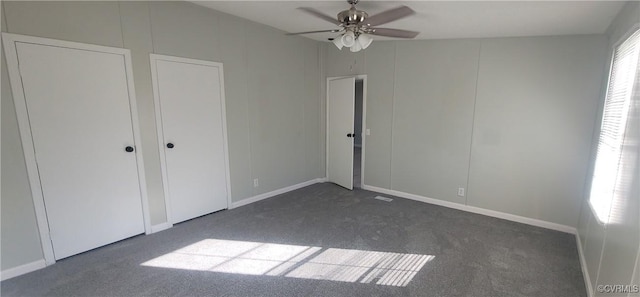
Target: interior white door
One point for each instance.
(80, 120)
(340, 107)
(190, 97)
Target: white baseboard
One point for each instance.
(478, 210)
(276, 192)
(161, 227)
(22, 269)
(583, 265)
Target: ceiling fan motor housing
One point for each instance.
(352, 16)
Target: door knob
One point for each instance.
(351, 135)
(128, 149)
(170, 145)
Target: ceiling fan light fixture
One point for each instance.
(364, 40)
(348, 39)
(338, 42)
(355, 47)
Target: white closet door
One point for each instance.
(80, 119)
(341, 94)
(191, 107)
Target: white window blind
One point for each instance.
(622, 80)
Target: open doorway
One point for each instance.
(357, 129)
(346, 145)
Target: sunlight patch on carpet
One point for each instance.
(295, 261)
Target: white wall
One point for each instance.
(535, 113)
(272, 82)
(18, 227)
(510, 119)
(434, 92)
(611, 252)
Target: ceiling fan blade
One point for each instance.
(319, 31)
(394, 33)
(389, 16)
(319, 14)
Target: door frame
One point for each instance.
(357, 77)
(153, 58)
(9, 40)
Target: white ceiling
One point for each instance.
(441, 19)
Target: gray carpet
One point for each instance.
(472, 255)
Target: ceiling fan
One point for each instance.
(356, 26)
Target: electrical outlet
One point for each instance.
(255, 183)
(368, 132)
(461, 192)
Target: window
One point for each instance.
(607, 170)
